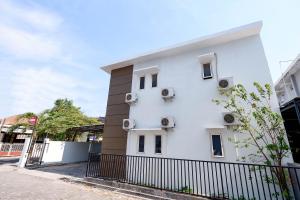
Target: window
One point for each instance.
(207, 73)
(158, 144)
(154, 80)
(217, 148)
(142, 82)
(141, 143)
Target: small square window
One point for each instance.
(154, 80)
(141, 143)
(207, 73)
(142, 82)
(158, 144)
(217, 148)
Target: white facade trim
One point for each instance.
(202, 42)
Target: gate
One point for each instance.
(35, 155)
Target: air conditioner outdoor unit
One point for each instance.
(167, 93)
(130, 98)
(229, 119)
(167, 122)
(225, 83)
(128, 124)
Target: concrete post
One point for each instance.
(24, 155)
(44, 151)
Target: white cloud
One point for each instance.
(30, 32)
(33, 48)
(36, 89)
(24, 44)
(33, 15)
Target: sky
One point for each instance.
(52, 49)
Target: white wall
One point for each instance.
(192, 106)
(66, 152)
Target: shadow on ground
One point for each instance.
(9, 160)
(76, 170)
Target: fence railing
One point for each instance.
(7, 149)
(224, 180)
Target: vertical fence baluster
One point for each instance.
(196, 174)
(267, 181)
(201, 178)
(241, 180)
(262, 183)
(290, 178)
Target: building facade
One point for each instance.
(19, 134)
(169, 110)
(288, 93)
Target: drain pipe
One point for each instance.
(216, 63)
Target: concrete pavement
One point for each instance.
(16, 183)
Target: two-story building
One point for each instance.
(160, 103)
(288, 93)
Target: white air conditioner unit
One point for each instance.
(128, 124)
(130, 98)
(167, 93)
(225, 83)
(167, 122)
(229, 119)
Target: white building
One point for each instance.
(288, 92)
(288, 85)
(192, 70)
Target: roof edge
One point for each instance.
(208, 40)
(289, 68)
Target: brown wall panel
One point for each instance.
(115, 131)
(115, 143)
(118, 109)
(119, 89)
(116, 99)
(114, 137)
(124, 71)
(121, 80)
(114, 120)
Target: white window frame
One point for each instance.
(212, 147)
(208, 58)
(138, 144)
(146, 72)
(156, 79)
(139, 82)
(161, 144)
(211, 71)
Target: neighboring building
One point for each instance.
(288, 93)
(288, 85)
(174, 87)
(20, 134)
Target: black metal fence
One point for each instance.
(36, 155)
(224, 180)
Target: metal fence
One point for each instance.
(8, 149)
(223, 180)
(36, 155)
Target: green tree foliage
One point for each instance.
(262, 127)
(54, 122)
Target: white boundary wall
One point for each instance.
(66, 152)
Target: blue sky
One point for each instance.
(52, 49)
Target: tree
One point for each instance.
(263, 127)
(54, 122)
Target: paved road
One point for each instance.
(75, 170)
(25, 184)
